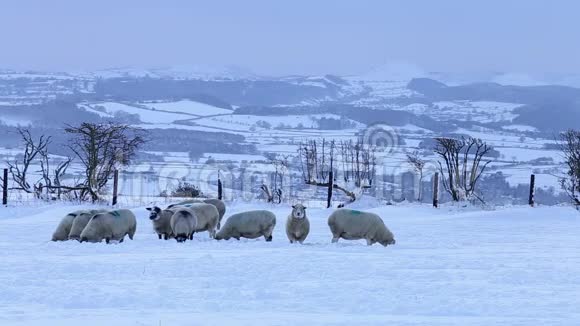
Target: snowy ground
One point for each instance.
(514, 266)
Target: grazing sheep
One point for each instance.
(161, 219)
(354, 225)
(220, 205)
(251, 225)
(63, 229)
(113, 225)
(207, 217)
(183, 224)
(81, 221)
(185, 202)
(297, 224)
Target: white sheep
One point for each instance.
(81, 221)
(221, 207)
(219, 204)
(354, 225)
(185, 202)
(63, 229)
(297, 224)
(183, 224)
(161, 219)
(250, 224)
(113, 225)
(207, 217)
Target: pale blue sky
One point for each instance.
(298, 36)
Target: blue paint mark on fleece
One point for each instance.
(115, 213)
(355, 212)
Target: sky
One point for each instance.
(278, 37)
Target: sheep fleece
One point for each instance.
(354, 225)
(113, 225)
(251, 224)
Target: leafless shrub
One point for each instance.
(102, 148)
(464, 164)
(570, 146)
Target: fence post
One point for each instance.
(115, 186)
(330, 185)
(5, 188)
(220, 190)
(436, 190)
(532, 190)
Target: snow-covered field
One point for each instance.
(450, 266)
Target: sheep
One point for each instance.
(113, 225)
(80, 222)
(207, 217)
(220, 205)
(250, 224)
(297, 224)
(185, 202)
(161, 220)
(63, 229)
(354, 225)
(183, 224)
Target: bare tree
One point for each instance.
(570, 145)
(52, 178)
(464, 164)
(32, 148)
(418, 164)
(320, 158)
(102, 148)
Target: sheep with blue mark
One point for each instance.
(81, 221)
(63, 229)
(110, 226)
(219, 204)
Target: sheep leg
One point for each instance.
(191, 236)
(107, 240)
(335, 239)
(369, 242)
(269, 238)
(159, 235)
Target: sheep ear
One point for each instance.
(293, 206)
(148, 208)
(305, 207)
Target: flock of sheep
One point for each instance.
(180, 221)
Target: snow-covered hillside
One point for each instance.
(450, 266)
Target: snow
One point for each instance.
(145, 115)
(14, 121)
(450, 266)
(242, 122)
(188, 107)
(520, 128)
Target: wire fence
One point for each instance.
(140, 187)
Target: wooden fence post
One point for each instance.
(436, 190)
(220, 189)
(532, 190)
(115, 186)
(330, 185)
(5, 188)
